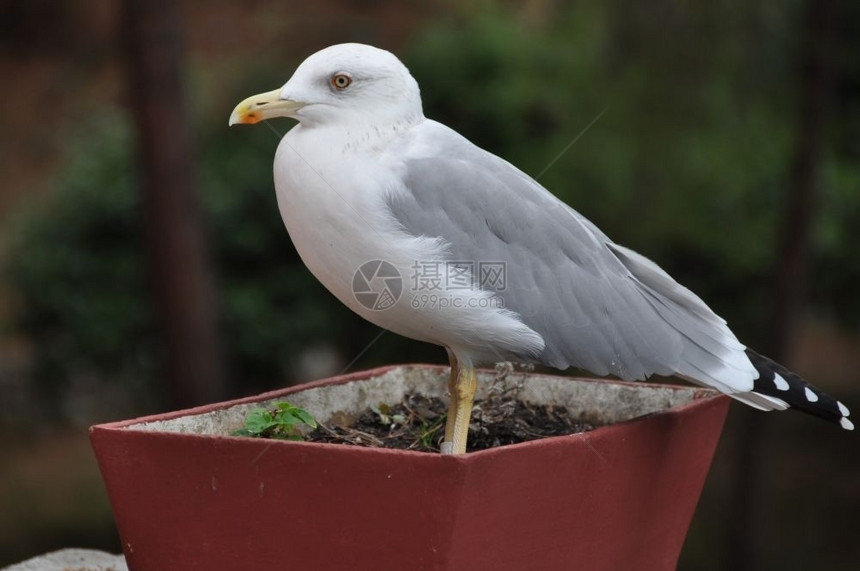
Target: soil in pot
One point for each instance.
(418, 423)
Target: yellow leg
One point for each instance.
(462, 384)
(452, 403)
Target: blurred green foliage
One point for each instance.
(688, 164)
(75, 265)
(79, 267)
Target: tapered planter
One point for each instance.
(186, 496)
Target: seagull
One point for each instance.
(423, 233)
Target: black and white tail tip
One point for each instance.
(782, 389)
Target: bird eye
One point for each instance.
(340, 81)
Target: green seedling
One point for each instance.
(282, 421)
(383, 412)
(429, 434)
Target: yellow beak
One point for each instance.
(264, 106)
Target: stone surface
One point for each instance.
(72, 560)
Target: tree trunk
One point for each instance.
(789, 277)
(180, 275)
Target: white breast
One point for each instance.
(332, 203)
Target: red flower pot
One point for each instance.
(188, 497)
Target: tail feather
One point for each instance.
(778, 388)
(761, 402)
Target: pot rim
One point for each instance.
(701, 397)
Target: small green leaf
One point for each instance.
(279, 422)
(258, 420)
(286, 418)
(305, 417)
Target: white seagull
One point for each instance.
(423, 233)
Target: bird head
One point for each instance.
(345, 82)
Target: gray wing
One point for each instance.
(599, 306)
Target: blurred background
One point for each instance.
(144, 266)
